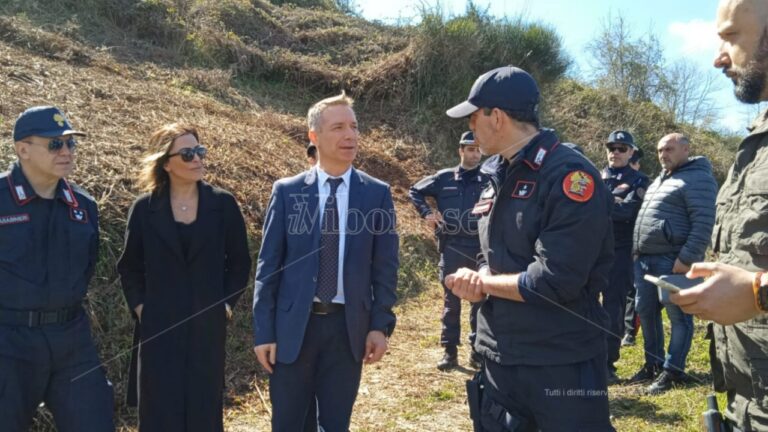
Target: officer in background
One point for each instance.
(628, 188)
(456, 190)
(49, 235)
(631, 319)
(547, 250)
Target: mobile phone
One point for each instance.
(666, 286)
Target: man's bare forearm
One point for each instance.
(502, 286)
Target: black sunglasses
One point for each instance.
(621, 149)
(188, 153)
(56, 144)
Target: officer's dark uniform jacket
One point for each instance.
(563, 249)
(741, 239)
(630, 186)
(48, 248)
(456, 191)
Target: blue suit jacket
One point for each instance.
(286, 275)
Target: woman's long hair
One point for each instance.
(153, 177)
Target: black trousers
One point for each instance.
(615, 301)
(58, 365)
(454, 257)
(325, 372)
(555, 398)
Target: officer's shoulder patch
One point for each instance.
(579, 186)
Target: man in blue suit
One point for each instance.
(326, 277)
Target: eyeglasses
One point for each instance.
(56, 144)
(620, 149)
(188, 153)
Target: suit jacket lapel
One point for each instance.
(354, 210)
(309, 221)
(161, 219)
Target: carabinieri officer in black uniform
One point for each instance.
(455, 190)
(628, 187)
(547, 248)
(49, 235)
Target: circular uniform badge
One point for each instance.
(579, 186)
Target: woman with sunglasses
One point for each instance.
(184, 265)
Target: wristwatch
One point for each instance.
(760, 287)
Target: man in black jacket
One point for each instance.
(547, 249)
(671, 232)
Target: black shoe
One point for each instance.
(475, 360)
(665, 381)
(450, 359)
(629, 340)
(645, 374)
(613, 379)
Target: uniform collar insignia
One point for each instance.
(66, 194)
(535, 152)
(19, 187)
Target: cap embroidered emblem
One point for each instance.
(59, 119)
(620, 136)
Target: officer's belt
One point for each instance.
(39, 318)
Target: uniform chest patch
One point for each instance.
(579, 186)
(14, 219)
(78, 215)
(523, 189)
(482, 207)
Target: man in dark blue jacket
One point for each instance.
(547, 249)
(326, 278)
(672, 231)
(455, 190)
(628, 188)
(49, 236)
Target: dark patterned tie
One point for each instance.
(328, 273)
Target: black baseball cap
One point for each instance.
(467, 138)
(621, 137)
(508, 88)
(44, 121)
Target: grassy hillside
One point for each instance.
(246, 71)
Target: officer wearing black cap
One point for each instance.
(628, 188)
(455, 190)
(48, 248)
(547, 248)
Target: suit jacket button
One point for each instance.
(314, 279)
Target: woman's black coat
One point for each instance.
(183, 323)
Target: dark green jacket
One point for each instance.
(740, 367)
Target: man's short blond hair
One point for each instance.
(315, 114)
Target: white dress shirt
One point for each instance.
(342, 205)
